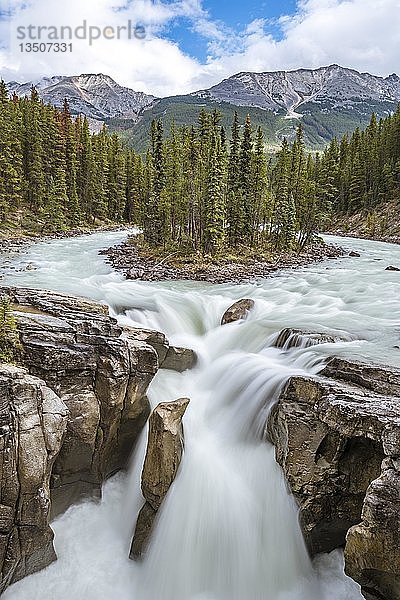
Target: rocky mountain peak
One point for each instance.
(287, 91)
(97, 96)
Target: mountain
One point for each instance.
(329, 101)
(297, 93)
(97, 96)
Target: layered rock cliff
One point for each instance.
(33, 423)
(337, 439)
(70, 417)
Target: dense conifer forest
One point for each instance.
(199, 188)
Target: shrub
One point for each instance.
(10, 346)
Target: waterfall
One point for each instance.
(228, 528)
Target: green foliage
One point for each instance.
(362, 171)
(197, 189)
(201, 195)
(54, 168)
(194, 189)
(10, 347)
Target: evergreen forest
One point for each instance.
(199, 188)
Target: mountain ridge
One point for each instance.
(288, 90)
(98, 96)
(330, 101)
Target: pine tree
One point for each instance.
(245, 179)
(116, 192)
(153, 219)
(234, 203)
(72, 209)
(215, 199)
(283, 217)
(10, 155)
(261, 200)
(34, 183)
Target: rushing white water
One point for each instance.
(228, 529)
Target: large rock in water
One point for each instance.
(163, 457)
(179, 359)
(300, 338)
(372, 551)
(237, 311)
(338, 443)
(169, 357)
(33, 422)
(101, 374)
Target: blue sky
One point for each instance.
(194, 44)
(234, 15)
(240, 13)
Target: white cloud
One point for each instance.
(363, 34)
(154, 65)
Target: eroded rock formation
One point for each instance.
(163, 457)
(338, 443)
(179, 359)
(169, 357)
(299, 338)
(100, 372)
(69, 419)
(372, 551)
(33, 423)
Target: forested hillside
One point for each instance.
(365, 167)
(194, 189)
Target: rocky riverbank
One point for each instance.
(127, 258)
(388, 239)
(380, 225)
(337, 439)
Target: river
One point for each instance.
(228, 529)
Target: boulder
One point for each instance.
(302, 338)
(33, 423)
(155, 339)
(238, 311)
(338, 443)
(179, 359)
(163, 457)
(135, 274)
(169, 357)
(392, 268)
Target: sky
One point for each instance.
(186, 45)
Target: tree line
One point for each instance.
(198, 188)
(361, 171)
(54, 168)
